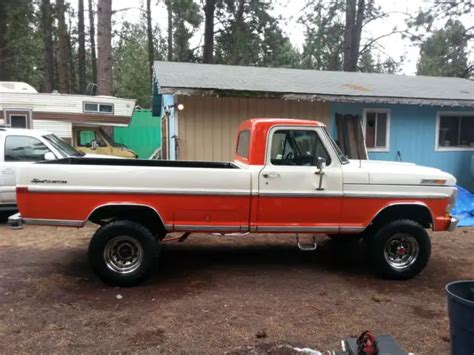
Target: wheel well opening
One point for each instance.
(143, 215)
(417, 213)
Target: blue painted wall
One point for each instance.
(412, 133)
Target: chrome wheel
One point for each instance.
(123, 254)
(401, 251)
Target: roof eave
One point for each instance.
(318, 97)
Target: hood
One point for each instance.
(379, 172)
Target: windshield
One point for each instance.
(338, 150)
(111, 140)
(62, 147)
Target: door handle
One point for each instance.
(8, 171)
(270, 175)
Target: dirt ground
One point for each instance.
(217, 295)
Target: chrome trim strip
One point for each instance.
(280, 229)
(352, 229)
(302, 194)
(128, 190)
(54, 222)
(431, 196)
(197, 228)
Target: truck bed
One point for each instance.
(139, 162)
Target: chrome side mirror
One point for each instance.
(320, 163)
(49, 156)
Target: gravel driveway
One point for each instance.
(216, 295)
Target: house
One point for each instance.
(425, 120)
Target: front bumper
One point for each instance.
(453, 224)
(15, 221)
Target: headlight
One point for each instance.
(452, 200)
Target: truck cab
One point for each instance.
(94, 140)
(20, 148)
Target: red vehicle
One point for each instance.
(288, 176)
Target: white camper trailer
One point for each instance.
(21, 106)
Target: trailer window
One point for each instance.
(243, 143)
(92, 107)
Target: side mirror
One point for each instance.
(94, 144)
(320, 163)
(49, 156)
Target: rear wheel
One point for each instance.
(123, 253)
(400, 250)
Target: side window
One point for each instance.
(243, 143)
(21, 148)
(85, 139)
(297, 147)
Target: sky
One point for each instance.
(393, 46)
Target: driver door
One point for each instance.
(19, 151)
(290, 196)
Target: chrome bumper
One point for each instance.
(453, 224)
(15, 221)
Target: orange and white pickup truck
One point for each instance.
(288, 176)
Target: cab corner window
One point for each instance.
(243, 143)
(297, 147)
(22, 148)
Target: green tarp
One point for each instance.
(143, 135)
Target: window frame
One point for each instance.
(439, 148)
(248, 146)
(274, 129)
(8, 112)
(388, 112)
(98, 104)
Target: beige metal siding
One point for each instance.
(207, 125)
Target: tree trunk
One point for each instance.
(149, 29)
(82, 48)
(104, 41)
(208, 51)
(4, 52)
(170, 29)
(239, 18)
(46, 21)
(63, 55)
(92, 42)
(352, 33)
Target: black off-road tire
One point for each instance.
(125, 236)
(384, 238)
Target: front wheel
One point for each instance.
(123, 253)
(400, 250)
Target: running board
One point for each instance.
(312, 247)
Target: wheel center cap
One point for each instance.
(125, 252)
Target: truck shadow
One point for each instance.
(180, 260)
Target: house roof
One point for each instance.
(229, 80)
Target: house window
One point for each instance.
(90, 107)
(376, 129)
(455, 131)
